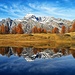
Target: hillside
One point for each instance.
(30, 20)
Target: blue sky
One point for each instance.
(55, 8)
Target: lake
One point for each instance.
(37, 61)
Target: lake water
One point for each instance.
(37, 61)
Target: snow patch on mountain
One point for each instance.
(30, 20)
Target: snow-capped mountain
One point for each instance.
(31, 20)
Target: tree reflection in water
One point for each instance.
(31, 54)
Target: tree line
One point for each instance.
(19, 30)
(54, 30)
(15, 30)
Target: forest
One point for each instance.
(19, 30)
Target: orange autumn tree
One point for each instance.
(17, 50)
(56, 50)
(44, 31)
(63, 30)
(55, 30)
(48, 31)
(36, 50)
(73, 27)
(2, 29)
(4, 50)
(34, 29)
(14, 30)
(19, 29)
(39, 30)
(72, 52)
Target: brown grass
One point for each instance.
(47, 40)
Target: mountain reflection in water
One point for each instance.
(37, 61)
(31, 54)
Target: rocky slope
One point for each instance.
(31, 20)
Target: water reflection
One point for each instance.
(30, 54)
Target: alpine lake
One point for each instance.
(33, 58)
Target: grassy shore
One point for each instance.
(35, 39)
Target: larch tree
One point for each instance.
(2, 29)
(63, 30)
(55, 50)
(55, 30)
(14, 30)
(34, 29)
(19, 51)
(39, 30)
(73, 27)
(44, 30)
(48, 31)
(19, 29)
(72, 52)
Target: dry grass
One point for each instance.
(35, 39)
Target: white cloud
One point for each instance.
(15, 10)
(44, 9)
(54, 11)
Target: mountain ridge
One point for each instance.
(30, 20)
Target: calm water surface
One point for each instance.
(37, 61)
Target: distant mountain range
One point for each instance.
(30, 20)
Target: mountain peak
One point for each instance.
(30, 16)
(30, 20)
